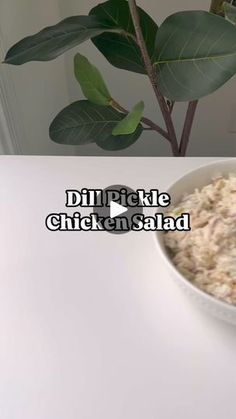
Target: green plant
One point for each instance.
(189, 56)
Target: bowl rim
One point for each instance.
(185, 281)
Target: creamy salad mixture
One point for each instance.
(206, 255)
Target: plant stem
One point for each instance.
(217, 8)
(145, 120)
(171, 105)
(156, 128)
(192, 106)
(153, 77)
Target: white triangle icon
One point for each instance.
(116, 209)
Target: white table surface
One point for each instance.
(91, 325)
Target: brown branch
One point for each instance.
(153, 77)
(217, 8)
(170, 104)
(192, 107)
(156, 128)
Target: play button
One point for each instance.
(116, 210)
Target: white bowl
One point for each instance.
(197, 179)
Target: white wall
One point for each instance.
(42, 89)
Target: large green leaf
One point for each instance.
(195, 54)
(230, 12)
(91, 81)
(55, 40)
(84, 122)
(129, 124)
(121, 50)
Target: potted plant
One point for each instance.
(189, 56)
